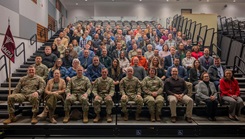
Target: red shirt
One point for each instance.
(142, 62)
(229, 88)
(196, 55)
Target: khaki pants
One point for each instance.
(186, 100)
(189, 87)
(13, 98)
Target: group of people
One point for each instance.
(135, 63)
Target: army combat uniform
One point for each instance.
(131, 88)
(23, 92)
(77, 87)
(102, 88)
(41, 70)
(150, 85)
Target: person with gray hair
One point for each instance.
(71, 72)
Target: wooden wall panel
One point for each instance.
(35, 1)
(42, 33)
(58, 5)
(51, 23)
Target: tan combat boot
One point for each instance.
(137, 116)
(108, 117)
(125, 118)
(158, 116)
(85, 117)
(44, 113)
(153, 117)
(34, 118)
(97, 118)
(51, 117)
(10, 119)
(67, 117)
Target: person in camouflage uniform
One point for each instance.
(103, 90)
(78, 88)
(54, 91)
(41, 69)
(130, 89)
(153, 89)
(29, 88)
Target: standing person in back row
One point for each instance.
(29, 88)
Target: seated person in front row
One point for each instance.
(103, 90)
(54, 90)
(29, 88)
(230, 92)
(153, 89)
(206, 92)
(78, 88)
(130, 89)
(176, 89)
(181, 73)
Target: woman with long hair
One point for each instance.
(160, 72)
(124, 62)
(57, 65)
(115, 72)
(196, 72)
(230, 92)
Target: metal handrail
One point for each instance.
(217, 47)
(33, 41)
(23, 51)
(235, 66)
(4, 65)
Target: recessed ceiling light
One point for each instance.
(140, 0)
(76, 3)
(86, 0)
(207, 0)
(167, 0)
(234, 0)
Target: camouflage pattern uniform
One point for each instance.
(150, 85)
(41, 70)
(77, 87)
(131, 88)
(103, 88)
(23, 91)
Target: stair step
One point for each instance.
(4, 114)
(14, 79)
(3, 97)
(40, 51)
(41, 48)
(51, 40)
(238, 75)
(21, 70)
(241, 85)
(6, 84)
(54, 36)
(48, 43)
(24, 66)
(30, 62)
(31, 59)
(19, 74)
